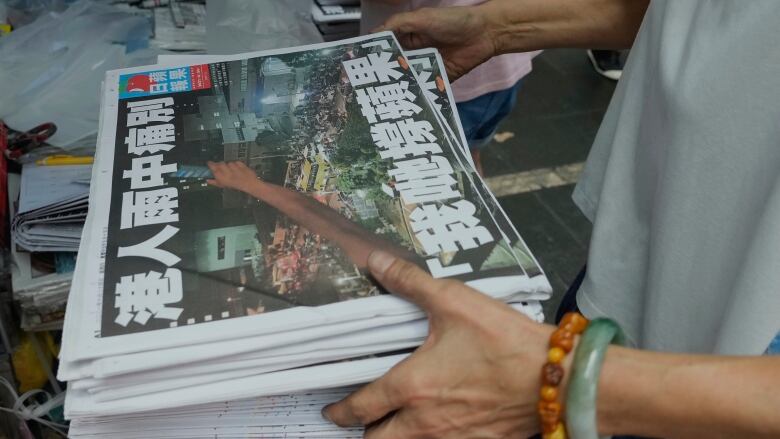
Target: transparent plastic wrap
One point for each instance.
(53, 67)
(235, 26)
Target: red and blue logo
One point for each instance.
(166, 81)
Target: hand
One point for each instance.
(476, 375)
(460, 33)
(232, 175)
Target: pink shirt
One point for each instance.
(498, 73)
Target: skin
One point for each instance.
(477, 374)
(469, 36)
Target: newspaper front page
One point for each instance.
(350, 156)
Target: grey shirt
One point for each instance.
(683, 182)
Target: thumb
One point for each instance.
(405, 279)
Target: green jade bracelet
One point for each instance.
(584, 378)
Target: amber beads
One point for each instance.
(561, 343)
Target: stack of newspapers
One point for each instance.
(48, 206)
(203, 311)
(52, 207)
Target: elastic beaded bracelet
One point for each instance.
(561, 343)
(585, 371)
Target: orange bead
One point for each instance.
(548, 393)
(549, 410)
(549, 418)
(555, 355)
(575, 321)
(562, 339)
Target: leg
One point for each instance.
(480, 118)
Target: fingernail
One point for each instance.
(379, 261)
(325, 413)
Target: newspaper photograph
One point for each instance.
(258, 185)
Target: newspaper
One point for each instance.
(351, 161)
(284, 416)
(323, 376)
(344, 125)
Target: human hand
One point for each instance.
(476, 375)
(461, 34)
(232, 175)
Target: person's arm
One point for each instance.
(526, 25)
(468, 36)
(478, 375)
(689, 396)
(310, 214)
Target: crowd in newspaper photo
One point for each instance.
(237, 199)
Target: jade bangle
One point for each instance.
(584, 377)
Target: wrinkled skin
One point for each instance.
(470, 379)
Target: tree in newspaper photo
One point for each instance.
(250, 186)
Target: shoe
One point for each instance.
(607, 63)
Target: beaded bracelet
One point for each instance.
(585, 371)
(561, 343)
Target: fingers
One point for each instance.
(214, 183)
(395, 426)
(223, 165)
(237, 166)
(405, 279)
(406, 22)
(219, 169)
(369, 404)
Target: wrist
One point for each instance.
(629, 388)
(493, 23)
(507, 32)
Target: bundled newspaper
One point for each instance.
(48, 206)
(187, 295)
(52, 207)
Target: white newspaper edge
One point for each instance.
(372, 341)
(288, 381)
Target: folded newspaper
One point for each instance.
(187, 294)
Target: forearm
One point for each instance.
(355, 241)
(686, 396)
(527, 25)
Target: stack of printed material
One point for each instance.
(52, 208)
(286, 416)
(40, 281)
(336, 19)
(188, 294)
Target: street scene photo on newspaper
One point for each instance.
(235, 201)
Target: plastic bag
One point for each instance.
(52, 69)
